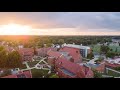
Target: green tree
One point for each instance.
(90, 55)
(1, 48)
(116, 50)
(97, 74)
(3, 57)
(14, 60)
(110, 54)
(61, 41)
(6, 73)
(104, 49)
(49, 44)
(99, 60)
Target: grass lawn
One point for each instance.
(32, 64)
(42, 63)
(114, 48)
(111, 73)
(39, 73)
(96, 48)
(53, 75)
(23, 66)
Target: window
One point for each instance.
(76, 51)
(72, 60)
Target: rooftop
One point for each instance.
(77, 46)
(67, 72)
(117, 61)
(66, 55)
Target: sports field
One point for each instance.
(96, 48)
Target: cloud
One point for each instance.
(56, 21)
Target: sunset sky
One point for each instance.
(59, 23)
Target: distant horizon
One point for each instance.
(59, 35)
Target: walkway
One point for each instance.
(36, 66)
(111, 70)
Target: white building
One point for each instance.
(114, 61)
(115, 40)
(84, 50)
(20, 46)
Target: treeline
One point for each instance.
(49, 40)
(9, 59)
(41, 41)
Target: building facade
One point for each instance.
(26, 54)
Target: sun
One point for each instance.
(15, 29)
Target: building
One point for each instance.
(113, 63)
(43, 51)
(20, 46)
(68, 69)
(100, 67)
(116, 40)
(26, 54)
(24, 74)
(10, 49)
(84, 50)
(70, 52)
(66, 63)
(52, 56)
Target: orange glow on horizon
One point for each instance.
(19, 29)
(15, 29)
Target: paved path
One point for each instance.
(27, 65)
(35, 67)
(112, 70)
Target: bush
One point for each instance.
(54, 76)
(5, 73)
(97, 74)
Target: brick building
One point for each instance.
(67, 61)
(74, 52)
(68, 69)
(24, 74)
(43, 51)
(26, 54)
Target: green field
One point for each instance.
(96, 48)
(39, 73)
(32, 64)
(111, 73)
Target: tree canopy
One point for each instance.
(90, 55)
(9, 59)
(104, 49)
(14, 60)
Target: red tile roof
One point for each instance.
(53, 54)
(112, 65)
(46, 49)
(88, 72)
(26, 51)
(9, 49)
(74, 52)
(10, 76)
(72, 67)
(26, 73)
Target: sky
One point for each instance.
(60, 23)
